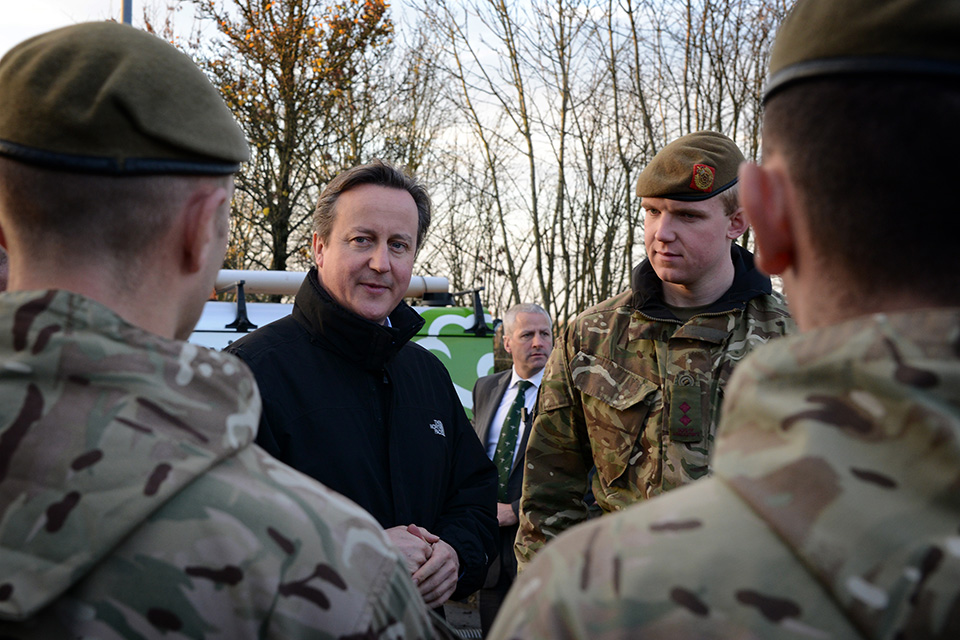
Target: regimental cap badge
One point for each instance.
(693, 167)
(703, 177)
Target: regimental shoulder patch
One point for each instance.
(703, 177)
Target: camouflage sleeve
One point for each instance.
(772, 316)
(696, 563)
(557, 460)
(339, 566)
(396, 609)
(281, 559)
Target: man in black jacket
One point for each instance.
(351, 402)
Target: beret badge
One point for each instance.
(703, 177)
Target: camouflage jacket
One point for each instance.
(833, 511)
(634, 393)
(134, 505)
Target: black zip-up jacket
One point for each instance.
(366, 412)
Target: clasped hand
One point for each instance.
(432, 563)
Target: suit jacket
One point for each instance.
(487, 394)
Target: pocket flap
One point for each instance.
(609, 382)
(615, 408)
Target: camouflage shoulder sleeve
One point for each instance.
(250, 549)
(338, 571)
(771, 316)
(846, 439)
(138, 507)
(555, 473)
(660, 569)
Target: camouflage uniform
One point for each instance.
(636, 394)
(133, 504)
(833, 511)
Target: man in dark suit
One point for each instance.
(503, 411)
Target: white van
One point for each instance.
(461, 336)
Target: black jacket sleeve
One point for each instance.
(468, 520)
(266, 437)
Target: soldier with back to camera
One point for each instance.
(834, 508)
(133, 502)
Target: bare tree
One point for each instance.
(318, 86)
(560, 105)
(529, 122)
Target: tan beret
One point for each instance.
(103, 97)
(822, 38)
(695, 167)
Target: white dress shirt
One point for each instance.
(529, 402)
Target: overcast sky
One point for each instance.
(21, 19)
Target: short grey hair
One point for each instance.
(510, 317)
(375, 172)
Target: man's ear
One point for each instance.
(317, 244)
(506, 343)
(202, 232)
(736, 224)
(765, 198)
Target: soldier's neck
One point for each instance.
(699, 294)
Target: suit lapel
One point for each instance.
(490, 402)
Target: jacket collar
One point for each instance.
(748, 283)
(367, 344)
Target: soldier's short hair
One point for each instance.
(378, 173)
(730, 200)
(104, 217)
(105, 130)
(871, 159)
(862, 103)
(510, 317)
(4, 269)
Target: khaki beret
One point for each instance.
(105, 98)
(822, 38)
(695, 167)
